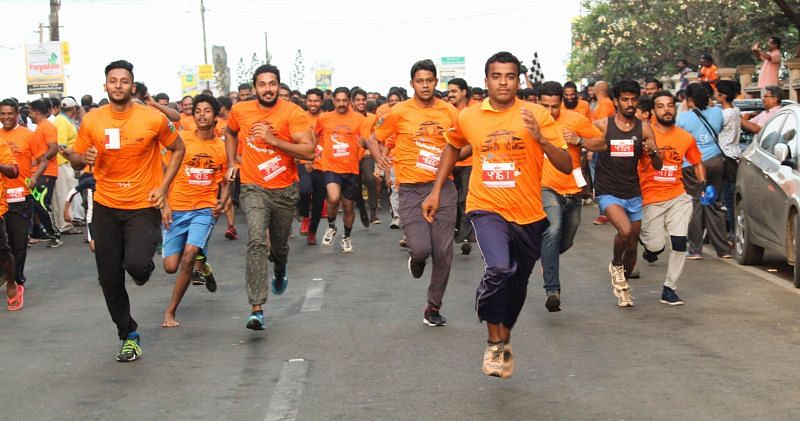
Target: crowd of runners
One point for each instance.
(505, 167)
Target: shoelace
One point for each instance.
(129, 346)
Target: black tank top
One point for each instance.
(617, 168)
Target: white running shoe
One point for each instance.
(327, 239)
(347, 245)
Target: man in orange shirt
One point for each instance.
(192, 207)
(561, 192)
(122, 141)
(509, 139)
(419, 124)
(458, 94)
(17, 220)
(8, 171)
(272, 133)
(708, 70)
(315, 198)
(667, 207)
(573, 103)
(46, 135)
(366, 165)
(187, 119)
(225, 105)
(341, 133)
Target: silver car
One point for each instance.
(768, 193)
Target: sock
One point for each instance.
(332, 224)
(134, 335)
(261, 312)
(347, 231)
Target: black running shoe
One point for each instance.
(416, 268)
(553, 301)
(433, 318)
(198, 278)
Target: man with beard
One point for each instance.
(122, 142)
(273, 132)
(626, 139)
(574, 103)
(667, 207)
(651, 86)
(358, 97)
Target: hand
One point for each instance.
(709, 196)
(569, 136)
(263, 131)
(156, 198)
(532, 125)
(166, 217)
(148, 100)
(232, 173)
(650, 146)
(32, 182)
(430, 206)
(309, 167)
(384, 163)
(756, 47)
(91, 156)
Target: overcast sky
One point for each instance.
(370, 43)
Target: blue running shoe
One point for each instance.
(279, 283)
(670, 297)
(256, 320)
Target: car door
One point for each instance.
(778, 177)
(757, 168)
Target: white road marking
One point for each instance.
(285, 401)
(314, 295)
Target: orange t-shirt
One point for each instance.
(371, 120)
(339, 136)
(605, 108)
(197, 181)
(219, 128)
(25, 148)
(666, 184)
(507, 169)
(556, 180)
(6, 158)
(312, 120)
(128, 165)
(467, 162)
(708, 74)
(262, 164)
(380, 112)
(187, 123)
(47, 133)
(582, 108)
(419, 133)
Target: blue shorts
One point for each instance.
(633, 206)
(188, 227)
(349, 183)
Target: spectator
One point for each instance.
(683, 70)
(771, 96)
(708, 70)
(771, 62)
(729, 145)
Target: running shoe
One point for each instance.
(694, 256)
(403, 242)
(508, 359)
(416, 269)
(304, 226)
(327, 239)
(198, 278)
(553, 301)
(494, 361)
(375, 221)
(55, 242)
(601, 220)
(231, 233)
(620, 286)
(670, 297)
(347, 245)
(433, 318)
(208, 275)
(255, 321)
(466, 248)
(279, 283)
(311, 240)
(395, 223)
(130, 351)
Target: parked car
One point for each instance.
(767, 199)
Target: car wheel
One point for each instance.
(796, 246)
(746, 253)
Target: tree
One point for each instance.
(633, 38)
(298, 71)
(244, 73)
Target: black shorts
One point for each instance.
(348, 182)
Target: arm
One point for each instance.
(41, 166)
(231, 142)
(700, 172)
(9, 170)
(465, 153)
(446, 165)
(749, 126)
(52, 150)
(650, 146)
(157, 196)
(558, 156)
(383, 161)
(597, 144)
(171, 114)
(303, 146)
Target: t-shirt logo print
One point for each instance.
(200, 169)
(429, 129)
(503, 146)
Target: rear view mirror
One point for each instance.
(781, 152)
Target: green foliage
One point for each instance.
(639, 38)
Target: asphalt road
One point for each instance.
(346, 341)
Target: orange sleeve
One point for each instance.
(454, 136)
(298, 123)
(366, 128)
(166, 132)
(587, 130)
(84, 141)
(50, 133)
(318, 129)
(693, 155)
(233, 123)
(386, 127)
(548, 127)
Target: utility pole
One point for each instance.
(203, 19)
(267, 57)
(41, 33)
(55, 5)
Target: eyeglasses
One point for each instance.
(768, 96)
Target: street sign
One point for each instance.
(324, 78)
(205, 72)
(44, 68)
(451, 68)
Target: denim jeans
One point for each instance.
(564, 216)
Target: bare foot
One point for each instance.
(169, 321)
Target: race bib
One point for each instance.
(499, 175)
(428, 161)
(15, 195)
(112, 139)
(200, 176)
(577, 174)
(621, 148)
(341, 150)
(272, 168)
(667, 174)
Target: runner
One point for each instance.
(366, 165)
(625, 140)
(418, 124)
(187, 119)
(561, 192)
(458, 94)
(46, 135)
(341, 133)
(192, 207)
(17, 190)
(667, 207)
(316, 198)
(573, 102)
(509, 139)
(15, 292)
(225, 105)
(272, 133)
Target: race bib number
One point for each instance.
(15, 195)
(112, 139)
(341, 150)
(577, 174)
(622, 148)
(667, 174)
(499, 175)
(272, 168)
(428, 161)
(200, 176)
